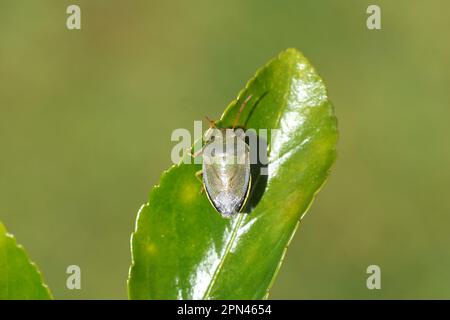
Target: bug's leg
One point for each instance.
(240, 111)
(212, 123)
(199, 176)
(195, 154)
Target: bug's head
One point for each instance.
(214, 134)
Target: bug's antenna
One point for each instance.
(240, 111)
(212, 123)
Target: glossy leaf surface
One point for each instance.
(183, 249)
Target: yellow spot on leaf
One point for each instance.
(151, 248)
(189, 192)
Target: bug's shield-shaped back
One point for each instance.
(226, 173)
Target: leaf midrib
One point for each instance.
(230, 243)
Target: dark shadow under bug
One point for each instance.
(258, 172)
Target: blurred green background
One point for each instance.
(86, 118)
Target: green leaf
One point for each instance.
(183, 249)
(19, 278)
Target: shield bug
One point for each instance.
(226, 167)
